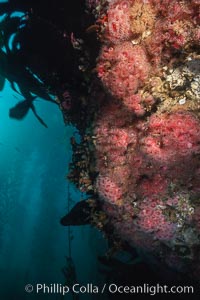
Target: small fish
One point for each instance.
(80, 214)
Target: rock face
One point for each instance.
(147, 130)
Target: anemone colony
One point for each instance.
(144, 129)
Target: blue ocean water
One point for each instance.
(33, 198)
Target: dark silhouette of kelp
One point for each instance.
(14, 69)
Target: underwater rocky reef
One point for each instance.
(139, 155)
